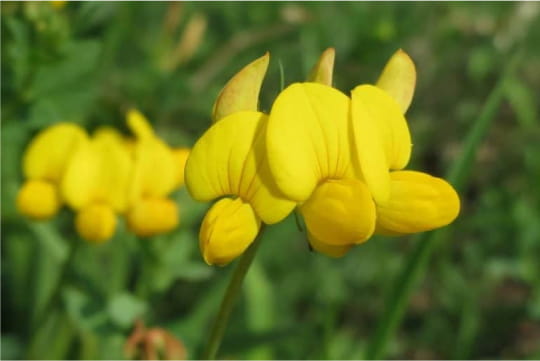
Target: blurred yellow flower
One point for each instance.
(158, 171)
(44, 163)
(229, 161)
(96, 184)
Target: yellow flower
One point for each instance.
(407, 201)
(333, 155)
(158, 171)
(229, 161)
(44, 164)
(96, 182)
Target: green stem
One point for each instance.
(416, 264)
(220, 324)
(55, 294)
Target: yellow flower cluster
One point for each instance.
(103, 176)
(338, 158)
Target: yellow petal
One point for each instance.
(49, 152)
(418, 203)
(80, 185)
(139, 125)
(322, 72)
(99, 171)
(328, 249)
(155, 169)
(38, 200)
(340, 212)
(151, 216)
(96, 223)
(308, 138)
(180, 157)
(381, 136)
(228, 228)
(242, 91)
(230, 159)
(398, 79)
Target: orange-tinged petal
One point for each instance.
(418, 203)
(38, 200)
(152, 216)
(241, 93)
(96, 223)
(228, 229)
(323, 71)
(398, 79)
(308, 138)
(381, 136)
(49, 152)
(340, 212)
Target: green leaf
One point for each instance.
(124, 309)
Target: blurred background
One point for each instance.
(88, 62)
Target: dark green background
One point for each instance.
(89, 62)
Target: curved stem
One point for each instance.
(220, 324)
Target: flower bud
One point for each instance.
(96, 223)
(38, 200)
(227, 230)
(340, 213)
(151, 216)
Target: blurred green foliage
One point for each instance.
(88, 62)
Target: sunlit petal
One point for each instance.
(308, 138)
(398, 79)
(323, 71)
(418, 203)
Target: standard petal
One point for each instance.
(340, 212)
(80, 185)
(229, 159)
(155, 169)
(418, 203)
(100, 171)
(323, 71)
(49, 152)
(308, 138)
(381, 136)
(241, 93)
(228, 228)
(398, 79)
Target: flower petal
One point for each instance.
(228, 228)
(241, 93)
(100, 171)
(38, 200)
(398, 79)
(96, 223)
(381, 138)
(229, 159)
(418, 203)
(50, 151)
(139, 125)
(152, 216)
(308, 138)
(322, 71)
(340, 212)
(328, 249)
(180, 156)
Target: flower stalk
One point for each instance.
(235, 284)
